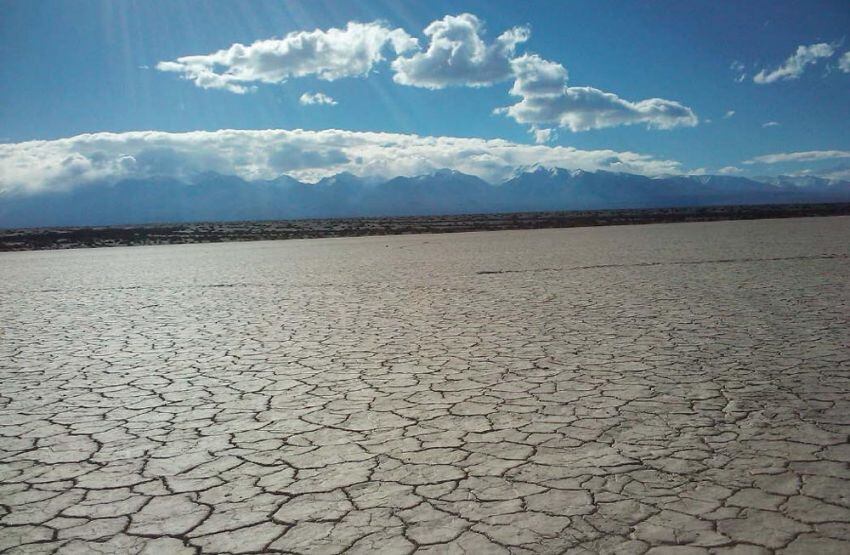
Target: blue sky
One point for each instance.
(88, 67)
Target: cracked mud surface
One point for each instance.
(678, 388)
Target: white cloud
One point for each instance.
(771, 124)
(796, 64)
(805, 156)
(729, 114)
(844, 62)
(546, 100)
(458, 56)
(308, 155)
(329, 55)
(542, 136)
(840, 172)
(535, 76)
(308, 99)
(729, 170)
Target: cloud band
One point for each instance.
(307, 155)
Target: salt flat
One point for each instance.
(595, 390)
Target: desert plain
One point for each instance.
(673, 388)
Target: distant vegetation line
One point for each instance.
(213, 232)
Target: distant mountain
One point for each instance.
(442, 192)
(548, 189)
(216, 197)
(559, 189)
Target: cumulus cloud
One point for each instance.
(458, 56)
(308, 99)
(729, 114)
(804, 156)
(844, 62)
(535, 76)
(327, 54)
(547, 100)
(796, 64)
(35, 166)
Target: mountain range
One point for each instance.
(216, 197)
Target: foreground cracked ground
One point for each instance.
(651, 389)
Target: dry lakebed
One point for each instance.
(680, 389)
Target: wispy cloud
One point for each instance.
(796, 64)
(738, 68)
(803, 156)
(729, 170)
(729, 114)
(771, 124)
(308, 99)
(308, 155)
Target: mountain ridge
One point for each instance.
(212, 196)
